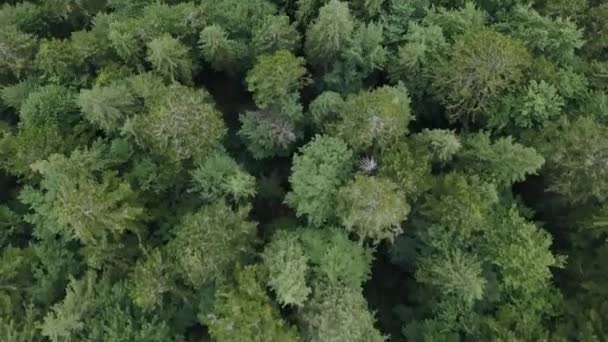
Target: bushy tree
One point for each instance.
(372, 207)
(18, 50)
(423, 46)
(374, 118)
(243, 311)
(210, 241)
(218, 50)
(276, 78)
(183, 124)
(318, 171)
(288, 268)
(576, 157)
(502, 162)
(219, 175)
(442, 144)
(480, 67)
(170, 58)
(555, 38)
(275, 33)
(269, 133)
(108, 106)
(338, 314)
(330, 34)
(80, 199)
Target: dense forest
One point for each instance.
(303, 170)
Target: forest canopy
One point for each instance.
(303, 170)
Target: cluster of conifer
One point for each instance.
(303, 170)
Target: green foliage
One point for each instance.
(287, 264)
(441, 144)
(275, 78)
(334, 259)
(244, 312)
(18, 49)
(540, 104)
(481, 66)
(183, 124)
(393, 153)
(454, 274)
(219, 175)
(501, 162)
(151, 278)
(318, 171)
(269, 133)
(372, 208)
(273, 34)
(170, 58)
(576, 157)
(555, 38)
(338, 314)
(218, 50)
(81, 200)
(597, 27)
(331, 32)
(423, 46)
(324, 108)
(48, 106)
(374, 118)
(210, 241)
(408, 167)
(106, 107)
(458, 21)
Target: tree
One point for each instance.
(17, 53)
(372, 207)
(455, 274)
(576, 156)
(501, 162)
(480, 67)
(288, 267)
(276, 78)
(170, 58)
(218, 50)
(555, 38)
(441, 144)
(374, 118)
(269, 133)
(318, 171)
(183, 124)
(330, 34)
(80, 199)
(107, 107)
(423, 46)
(275, 82)
(338, 314)
(243, 311)
(334, 259)
(152, 277)
(219, 175)
(210, 241)
(273, 34)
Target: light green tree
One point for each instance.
(107, 107)
(210, 241)
(374, 118)
(183, 124)
(330, 34)
(372, 207)
(288, 268)
(318, 171)
(170, 58)
(243, 311)
(480, 67)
